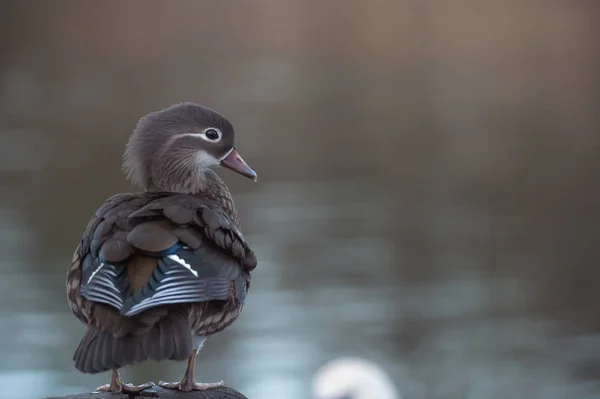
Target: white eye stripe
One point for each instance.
(207, 134)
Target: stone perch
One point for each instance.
(162, 393)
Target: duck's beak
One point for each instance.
(234, 162)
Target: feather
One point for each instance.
(146, 263)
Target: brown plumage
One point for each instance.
(157, 272)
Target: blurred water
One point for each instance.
(427, 196)
(333, 279)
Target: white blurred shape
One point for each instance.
(353, 378)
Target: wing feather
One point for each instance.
(200, 254)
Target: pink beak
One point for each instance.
(234, 162)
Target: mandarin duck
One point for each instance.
(158, 271)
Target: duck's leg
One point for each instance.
(116, 386)
(188, 382)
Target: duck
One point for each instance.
(353, 378)
(157, 272)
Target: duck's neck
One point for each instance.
(206, 184)
(216, 190)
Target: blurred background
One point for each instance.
(427, 195)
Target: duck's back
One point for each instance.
(152, 271)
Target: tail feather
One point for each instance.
(165, 339)
(88, 340)
(100, 350)
(97, 350)
(103, 353)
(151, 344)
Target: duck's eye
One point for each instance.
(212, 134)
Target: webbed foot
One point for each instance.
(116, 386)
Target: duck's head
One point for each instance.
(352, 378)
(173, 149)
